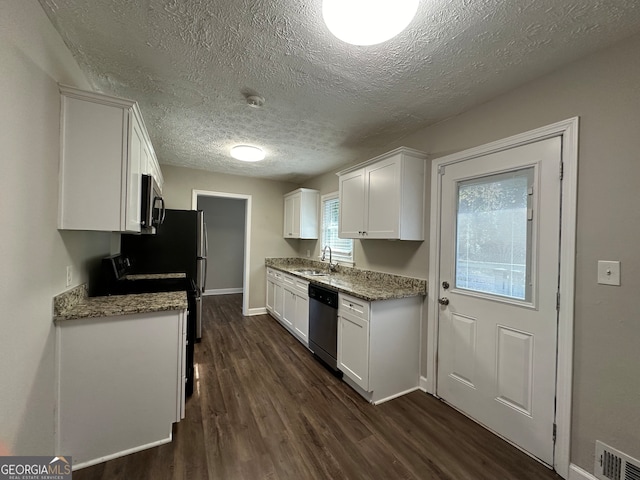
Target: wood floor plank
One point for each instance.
(264, 408)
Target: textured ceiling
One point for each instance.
(190, 64)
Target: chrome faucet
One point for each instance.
(332, 266)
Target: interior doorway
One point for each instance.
(228, 222)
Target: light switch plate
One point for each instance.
(608, 272)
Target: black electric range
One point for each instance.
(118, 276)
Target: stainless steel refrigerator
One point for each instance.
(179, 246)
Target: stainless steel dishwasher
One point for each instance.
(323, 324)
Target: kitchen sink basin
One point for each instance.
(312, 273)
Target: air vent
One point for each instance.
(612, 464)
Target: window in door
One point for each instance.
(494, 234)
(341, 248)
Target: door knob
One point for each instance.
(443, 301)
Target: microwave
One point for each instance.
(152, 208)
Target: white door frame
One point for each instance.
(568, 129)
(247, 236)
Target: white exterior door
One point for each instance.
(499, 271)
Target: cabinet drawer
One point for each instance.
(302, 286)
(274, 275)
(288, 280)
(353, 306)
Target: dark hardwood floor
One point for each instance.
(263, 408)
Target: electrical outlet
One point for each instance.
(69, 275)
(308, 253)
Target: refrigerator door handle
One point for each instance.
(206, 241)
(204, 280)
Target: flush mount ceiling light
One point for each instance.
(368, 22)
(247, 153)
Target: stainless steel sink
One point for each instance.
(312, 273)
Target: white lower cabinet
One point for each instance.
(270, 293)
(278, 300)
(275, 299)
(120, 382)
(289, 308)
(288, 302)
(301, 323)
(379, 346)
(353, 349)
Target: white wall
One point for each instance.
(604, 91)
(225, 220)
(266, 217)
(33, 254)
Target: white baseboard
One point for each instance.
(223, 291)
(577, 473)
(395, 395)
(256, 311)
(95, 461)
(423, 384)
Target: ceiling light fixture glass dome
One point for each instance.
(368, 22)
(247, 153)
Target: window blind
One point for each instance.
(341, 248)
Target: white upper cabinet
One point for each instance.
(149, 163)
(104, 149)
(301, 214)
(352, 209)
(384, 197)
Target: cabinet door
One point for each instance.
(296, 216)
(270, 295)
(92, 189)
(182, 380)
(352, 204)
(133, 171)
(309, 203)
(288, 217)
(292, 216)
(109, 384)
(145, 159)
(154, 170)
(302, 319)
(383, 199)
(353, 349)
(278, 300)
(289, 308)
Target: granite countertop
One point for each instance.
(365, 284)
(155, 276)
(75, 304)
